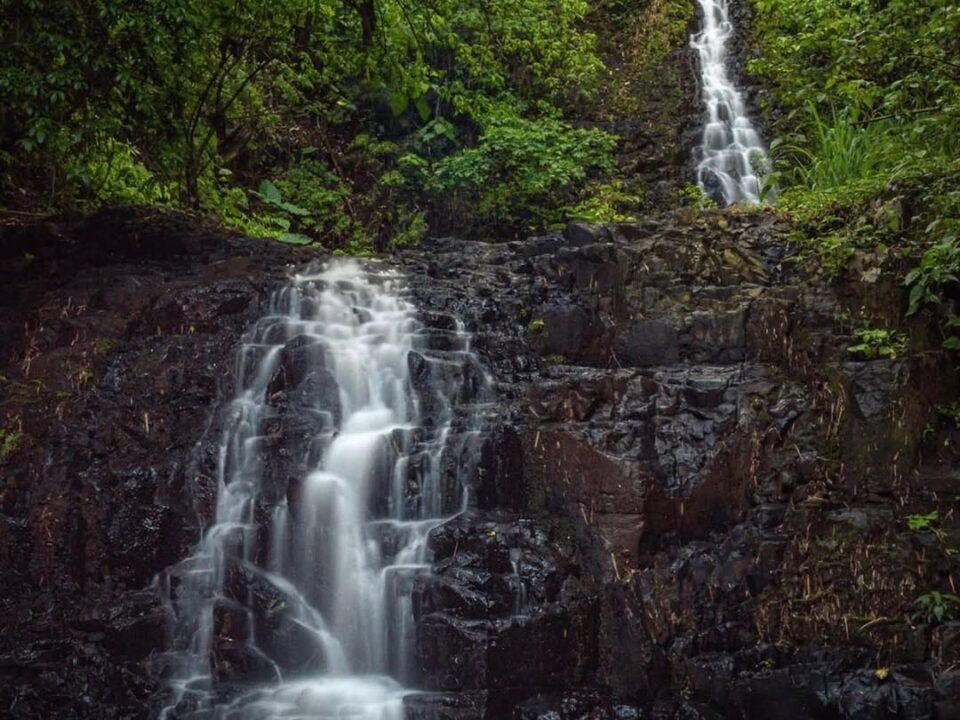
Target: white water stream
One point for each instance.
(731, 158)
(297, 602)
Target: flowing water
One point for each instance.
(329, 476)
(731, 157)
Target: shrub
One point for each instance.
(522, 172)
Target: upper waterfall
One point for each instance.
(297, 602)
(731, 157)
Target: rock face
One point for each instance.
(119, 336)
(691, 502)
(721, 487)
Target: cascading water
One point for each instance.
(297, 601)
(731, 157)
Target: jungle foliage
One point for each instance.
(346, 121)
(865, 100)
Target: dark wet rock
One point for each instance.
(572, 332)
(947, 701)
(549, 650)
(582, 704)
(689, 420)
(299, 359)
(718, 337)
(579, 233)
(651, 342)
(236, 662)
(137, 628)
(446, 706)
(452, 654)
(685, 501)
(467, 542)
(872, 388)
(465, 594)
(130, 321)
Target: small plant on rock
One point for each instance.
(951, 412)
(923, 523)
(875, 343)
(936, 607)
(10, 437)
(692, 195)
(537, 326)
(950, 329)
(938, 268)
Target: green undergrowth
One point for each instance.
(357, 124)
(354, 124)
(10, 437)
(641, 37)
(647, 83)
(865, 102)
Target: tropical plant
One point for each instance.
(520, 168)
(875, 343)
(939, 267)
(923, 523)
(936, 607)
(189, 101)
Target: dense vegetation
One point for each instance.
(360, 123)
(865, 100)
(348, 121)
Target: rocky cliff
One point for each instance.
(691, 503)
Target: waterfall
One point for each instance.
(297, 602)
(731, 157)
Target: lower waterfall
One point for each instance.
(329, 477)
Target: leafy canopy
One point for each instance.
(197, 102)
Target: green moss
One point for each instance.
(647, 82)
(691, 195)
(103, 345)
(24, 393)
(665, 27)
(9, 440)
(646, 76)
(607, 203)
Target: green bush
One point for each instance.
(938, 268)
(936, 607)
(606, 202)
(865, 97)
(923, 523)
(873, 344)
(840, 152)
(193, 101)
(522, 172)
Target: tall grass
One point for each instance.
(842, 150)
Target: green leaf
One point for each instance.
(916, 294)
(423, 109)
(399, 102)
(293, 209)
(269, 192)
(952, 343)
(295, 238)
